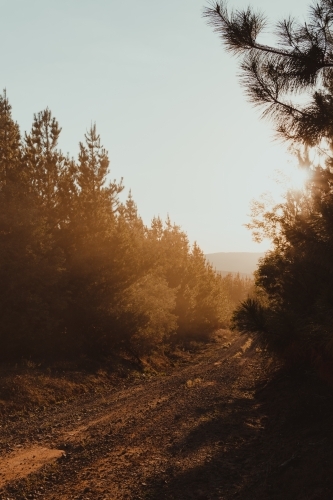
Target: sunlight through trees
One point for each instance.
(80, 272)
(292, 310)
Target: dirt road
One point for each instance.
(213, 428)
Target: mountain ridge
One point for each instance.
(244, 263)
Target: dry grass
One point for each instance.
(27, 386)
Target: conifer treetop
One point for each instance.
(300, 63)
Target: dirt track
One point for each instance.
(209, 429)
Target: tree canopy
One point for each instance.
(80, 273)
(291, 311)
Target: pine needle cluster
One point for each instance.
(300, 64)
(291, 312)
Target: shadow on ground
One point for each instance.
(272, 443)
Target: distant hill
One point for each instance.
(244, 263)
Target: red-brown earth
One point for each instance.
(223, 423)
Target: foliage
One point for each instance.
(81, 274)
(292, 310)
(237, 288)
(153, 301)
(294, 279)
(274, 77)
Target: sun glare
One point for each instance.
(297, 178)
(294, 179)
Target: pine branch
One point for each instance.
(272, 75)
(239, 31)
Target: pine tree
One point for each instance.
(293, 308)
(94, 277)
(10, 145)
(98, 199)
(79, 270)
(301, 63)
(27, 273)
(13, 227)
(51, 174)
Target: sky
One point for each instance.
(166, 100)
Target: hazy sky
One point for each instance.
(164, 95)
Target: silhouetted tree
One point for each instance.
(274, 76)
(80, 272)
(293, 309)
(27, 270)
(45, 164)
(10, 142)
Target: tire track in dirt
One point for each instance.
(117, 446)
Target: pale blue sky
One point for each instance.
(164, 95)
